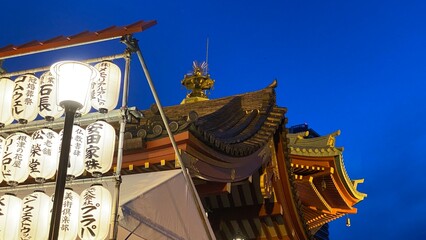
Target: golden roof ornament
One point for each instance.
(198, 82)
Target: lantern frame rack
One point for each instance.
(113, 116)
(118, 115)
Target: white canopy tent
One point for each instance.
(159, 206)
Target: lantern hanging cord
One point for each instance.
(132, 45)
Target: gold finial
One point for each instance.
(198, 82)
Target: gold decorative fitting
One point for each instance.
(198, 81)
(266, 181)
(323, 184)
(348, 222)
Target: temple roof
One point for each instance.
(324, 187)
(237, 126)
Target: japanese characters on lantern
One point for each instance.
(15, 158)
(99, 148)
(77, 151)
(6, 92)
(106, 88)
(35, 216)
(26, 98)
(95, 213)
(48, 107)
(44, 154)
(68, 228)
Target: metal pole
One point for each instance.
(124, 112)
(62, 172)
(173, 142)
(114, 223)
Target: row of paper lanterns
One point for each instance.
(87, 215)
(92, 149)
(28, 95)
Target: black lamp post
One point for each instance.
(73, 81)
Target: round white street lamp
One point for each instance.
(73, 82)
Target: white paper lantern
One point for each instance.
(2, 146)
(10, 216)
(106, 88)
(44, 155)
(68, 227)
(95, 213)
(6, 92)
(48, 107)
(99, 147)
(77, 151)
(25, 98)
(35, 217)
(15, 158)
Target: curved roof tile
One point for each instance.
(242, 125)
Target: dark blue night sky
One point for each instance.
(357, 66)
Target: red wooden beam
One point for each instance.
(82, 38)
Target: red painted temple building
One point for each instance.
(254, 178)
